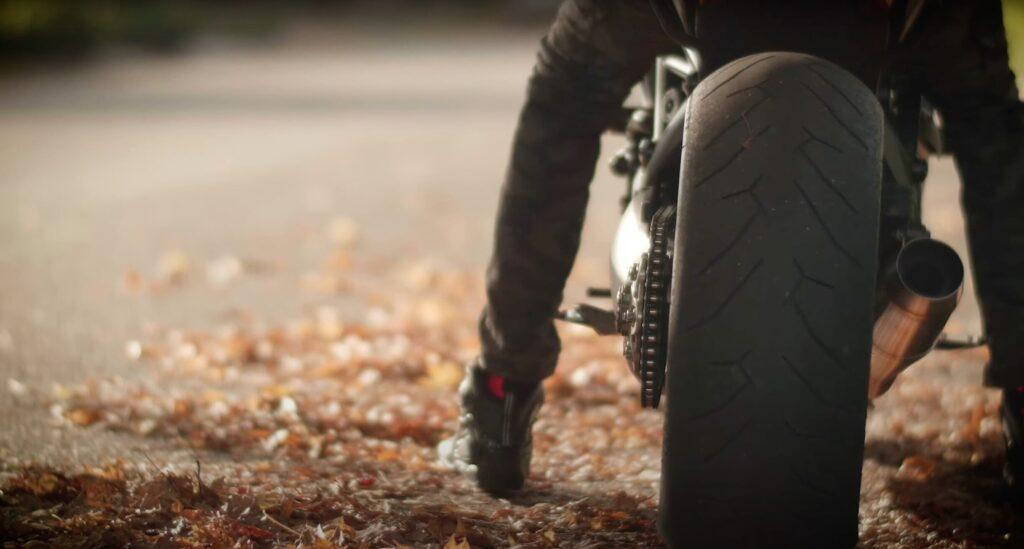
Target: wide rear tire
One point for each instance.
(773, 285)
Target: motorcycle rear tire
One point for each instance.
(775, 265)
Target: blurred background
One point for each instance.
(178, 162)
(141, 140)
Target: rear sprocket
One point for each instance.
(642, 312)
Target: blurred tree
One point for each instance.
(32, 28)
(68, 27)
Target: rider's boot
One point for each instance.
(494, 440)
(1013, 433)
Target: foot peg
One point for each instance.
(948, 342)
(601, 320)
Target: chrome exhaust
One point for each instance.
(923, 287)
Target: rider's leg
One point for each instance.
(589, 60)
(973, 86)
(974, 89)
(592, 55)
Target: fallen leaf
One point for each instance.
(458, 539)
(82, 417)
(173, 266)
(224, 270)
(342, 231)
(917, 468)
(132, 282)
(16, 387)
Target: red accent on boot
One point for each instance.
(496, 384)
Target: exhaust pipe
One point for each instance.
(923, 288)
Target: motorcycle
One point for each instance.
(771, 274)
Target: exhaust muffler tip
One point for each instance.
(923, 287)
(928, 273)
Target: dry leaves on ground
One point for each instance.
(321, 431)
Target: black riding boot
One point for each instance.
(494, 441)
(1013, 432)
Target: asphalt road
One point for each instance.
(249, 152)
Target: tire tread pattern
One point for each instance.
(771, 306)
